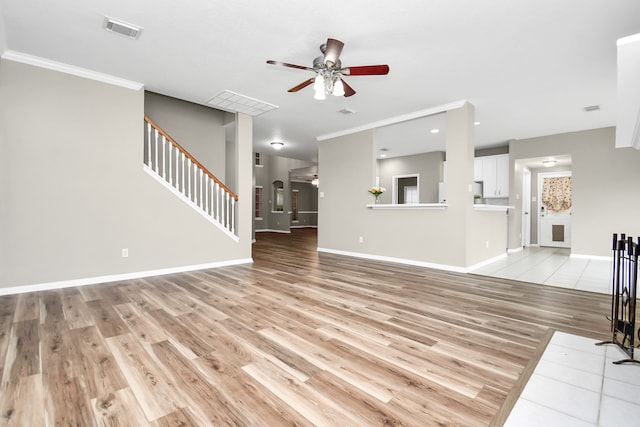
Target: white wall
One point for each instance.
(74, 190)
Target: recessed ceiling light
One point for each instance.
(346, 111)
(435, 130)
(383, 156)
(476, 123)
(277, 145)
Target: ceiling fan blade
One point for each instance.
(302, 85)
(348, 90)
(284, 64)
(332, 52)
(366, 70)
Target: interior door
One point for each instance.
(554, 194)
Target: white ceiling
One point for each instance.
(528, 66)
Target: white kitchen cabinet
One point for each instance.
(495, 175)
(477, 169)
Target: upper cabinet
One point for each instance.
(493, 171)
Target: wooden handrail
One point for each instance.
(193, 159)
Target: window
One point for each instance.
(258, 159)
(278, 196)
(258, 203)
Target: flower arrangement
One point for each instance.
(377, 191)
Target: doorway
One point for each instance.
(406, 189)
(554, 214)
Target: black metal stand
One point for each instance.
(623, 298)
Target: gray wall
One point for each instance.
(456, 236)
(427, 165)
(606, 185)
(74, 189)
(198, 129)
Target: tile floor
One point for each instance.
(554, 267)
(575, 382)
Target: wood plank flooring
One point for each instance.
(295, 339)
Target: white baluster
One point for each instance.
(201, 181)
(226, 205)
(164, 160)
(233, 215)
(206, 193)
(213, 205)
(148, 143)
(170, 164)
(189, 178)
(182, 155)
(156, 149)
(217, 202)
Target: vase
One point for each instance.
(377, 200)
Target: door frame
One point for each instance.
(394, 185)
(526, 207)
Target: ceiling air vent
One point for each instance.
(346, 111)
(122, 28)
(592, 108)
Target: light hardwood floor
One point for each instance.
(296, 338)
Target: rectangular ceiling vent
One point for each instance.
(119, 27)
(346, 111)
(592, 108)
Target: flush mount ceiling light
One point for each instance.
(548, 163)
(315, 181)
(277, 145)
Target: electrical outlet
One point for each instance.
(125, 252)
(361, 239)
(487, 244)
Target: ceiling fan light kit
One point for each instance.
(329, 72)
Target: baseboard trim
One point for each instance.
(267, 230)
(304, 226)
(515, 251)
(446, 267)
(117, 277)
(592, 257)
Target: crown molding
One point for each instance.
(70, 69)
(398, 119)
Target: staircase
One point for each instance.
(171, 165)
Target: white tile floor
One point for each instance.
(575, 382)
(554, 267)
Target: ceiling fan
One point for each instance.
(329, 78)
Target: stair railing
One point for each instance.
(172, 165)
